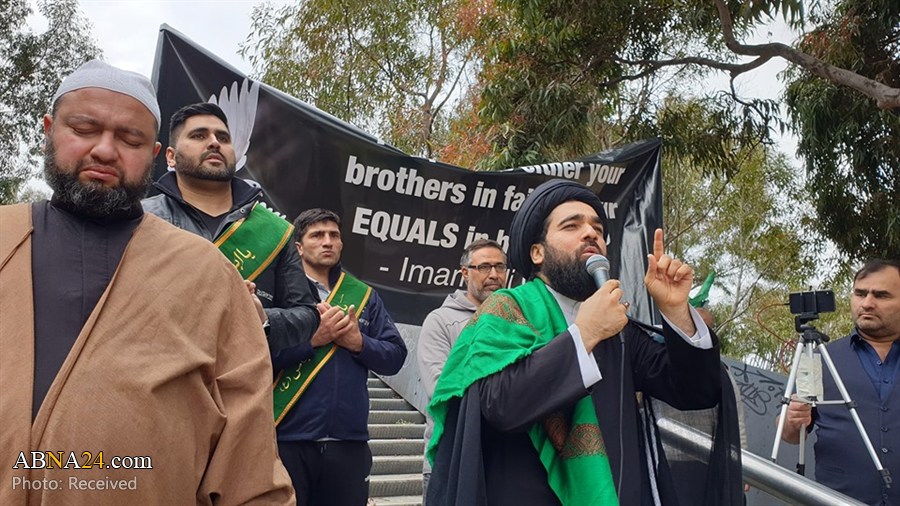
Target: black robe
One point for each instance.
(486, 456)
(73, 260)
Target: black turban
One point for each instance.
(528, 222)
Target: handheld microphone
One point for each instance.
(598, 267)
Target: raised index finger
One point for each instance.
(658, 250)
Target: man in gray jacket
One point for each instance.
(483, 267)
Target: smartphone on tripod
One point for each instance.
(807, 306)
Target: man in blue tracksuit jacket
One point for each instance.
(323, 438)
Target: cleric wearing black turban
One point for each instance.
(528, 223)
(536, 404)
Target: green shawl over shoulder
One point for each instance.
(509, 326)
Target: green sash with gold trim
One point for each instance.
(511, 325)
(291, 383)
(252, 243)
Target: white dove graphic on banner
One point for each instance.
(240, 109)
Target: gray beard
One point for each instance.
(483, 294)
(567, 276)
(92, 199)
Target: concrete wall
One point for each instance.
(760, 393)
(407, 382)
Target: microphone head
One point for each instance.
(596, 262)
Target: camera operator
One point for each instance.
(868, 362)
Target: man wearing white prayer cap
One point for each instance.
(116, 385)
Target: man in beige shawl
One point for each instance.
(133, 369)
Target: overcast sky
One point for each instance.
(128, 30)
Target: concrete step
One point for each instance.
(401, 500)
(398, 417)
(396, 431)
(389, 405)
(397, 443)
(389, 485)
(382, 393)
(397, 446)
(397, 464)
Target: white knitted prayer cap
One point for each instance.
(98, 74)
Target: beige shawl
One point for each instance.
(172, 364)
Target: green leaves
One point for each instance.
(390, 67)
(33, 64)
(851, 147)
(748, 227)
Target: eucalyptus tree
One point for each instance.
(32, 65)
(747, 224)
(561, 74)
(392, 67)
(850, 145)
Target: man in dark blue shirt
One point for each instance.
(868, 363)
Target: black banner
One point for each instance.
(406, 219)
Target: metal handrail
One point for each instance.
(760, 473)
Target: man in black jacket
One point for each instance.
(203, 196)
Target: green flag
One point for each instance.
(703, 295)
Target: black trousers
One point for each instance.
(328, 473)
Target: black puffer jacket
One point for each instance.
(282, 288)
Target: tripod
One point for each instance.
(809, 340)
